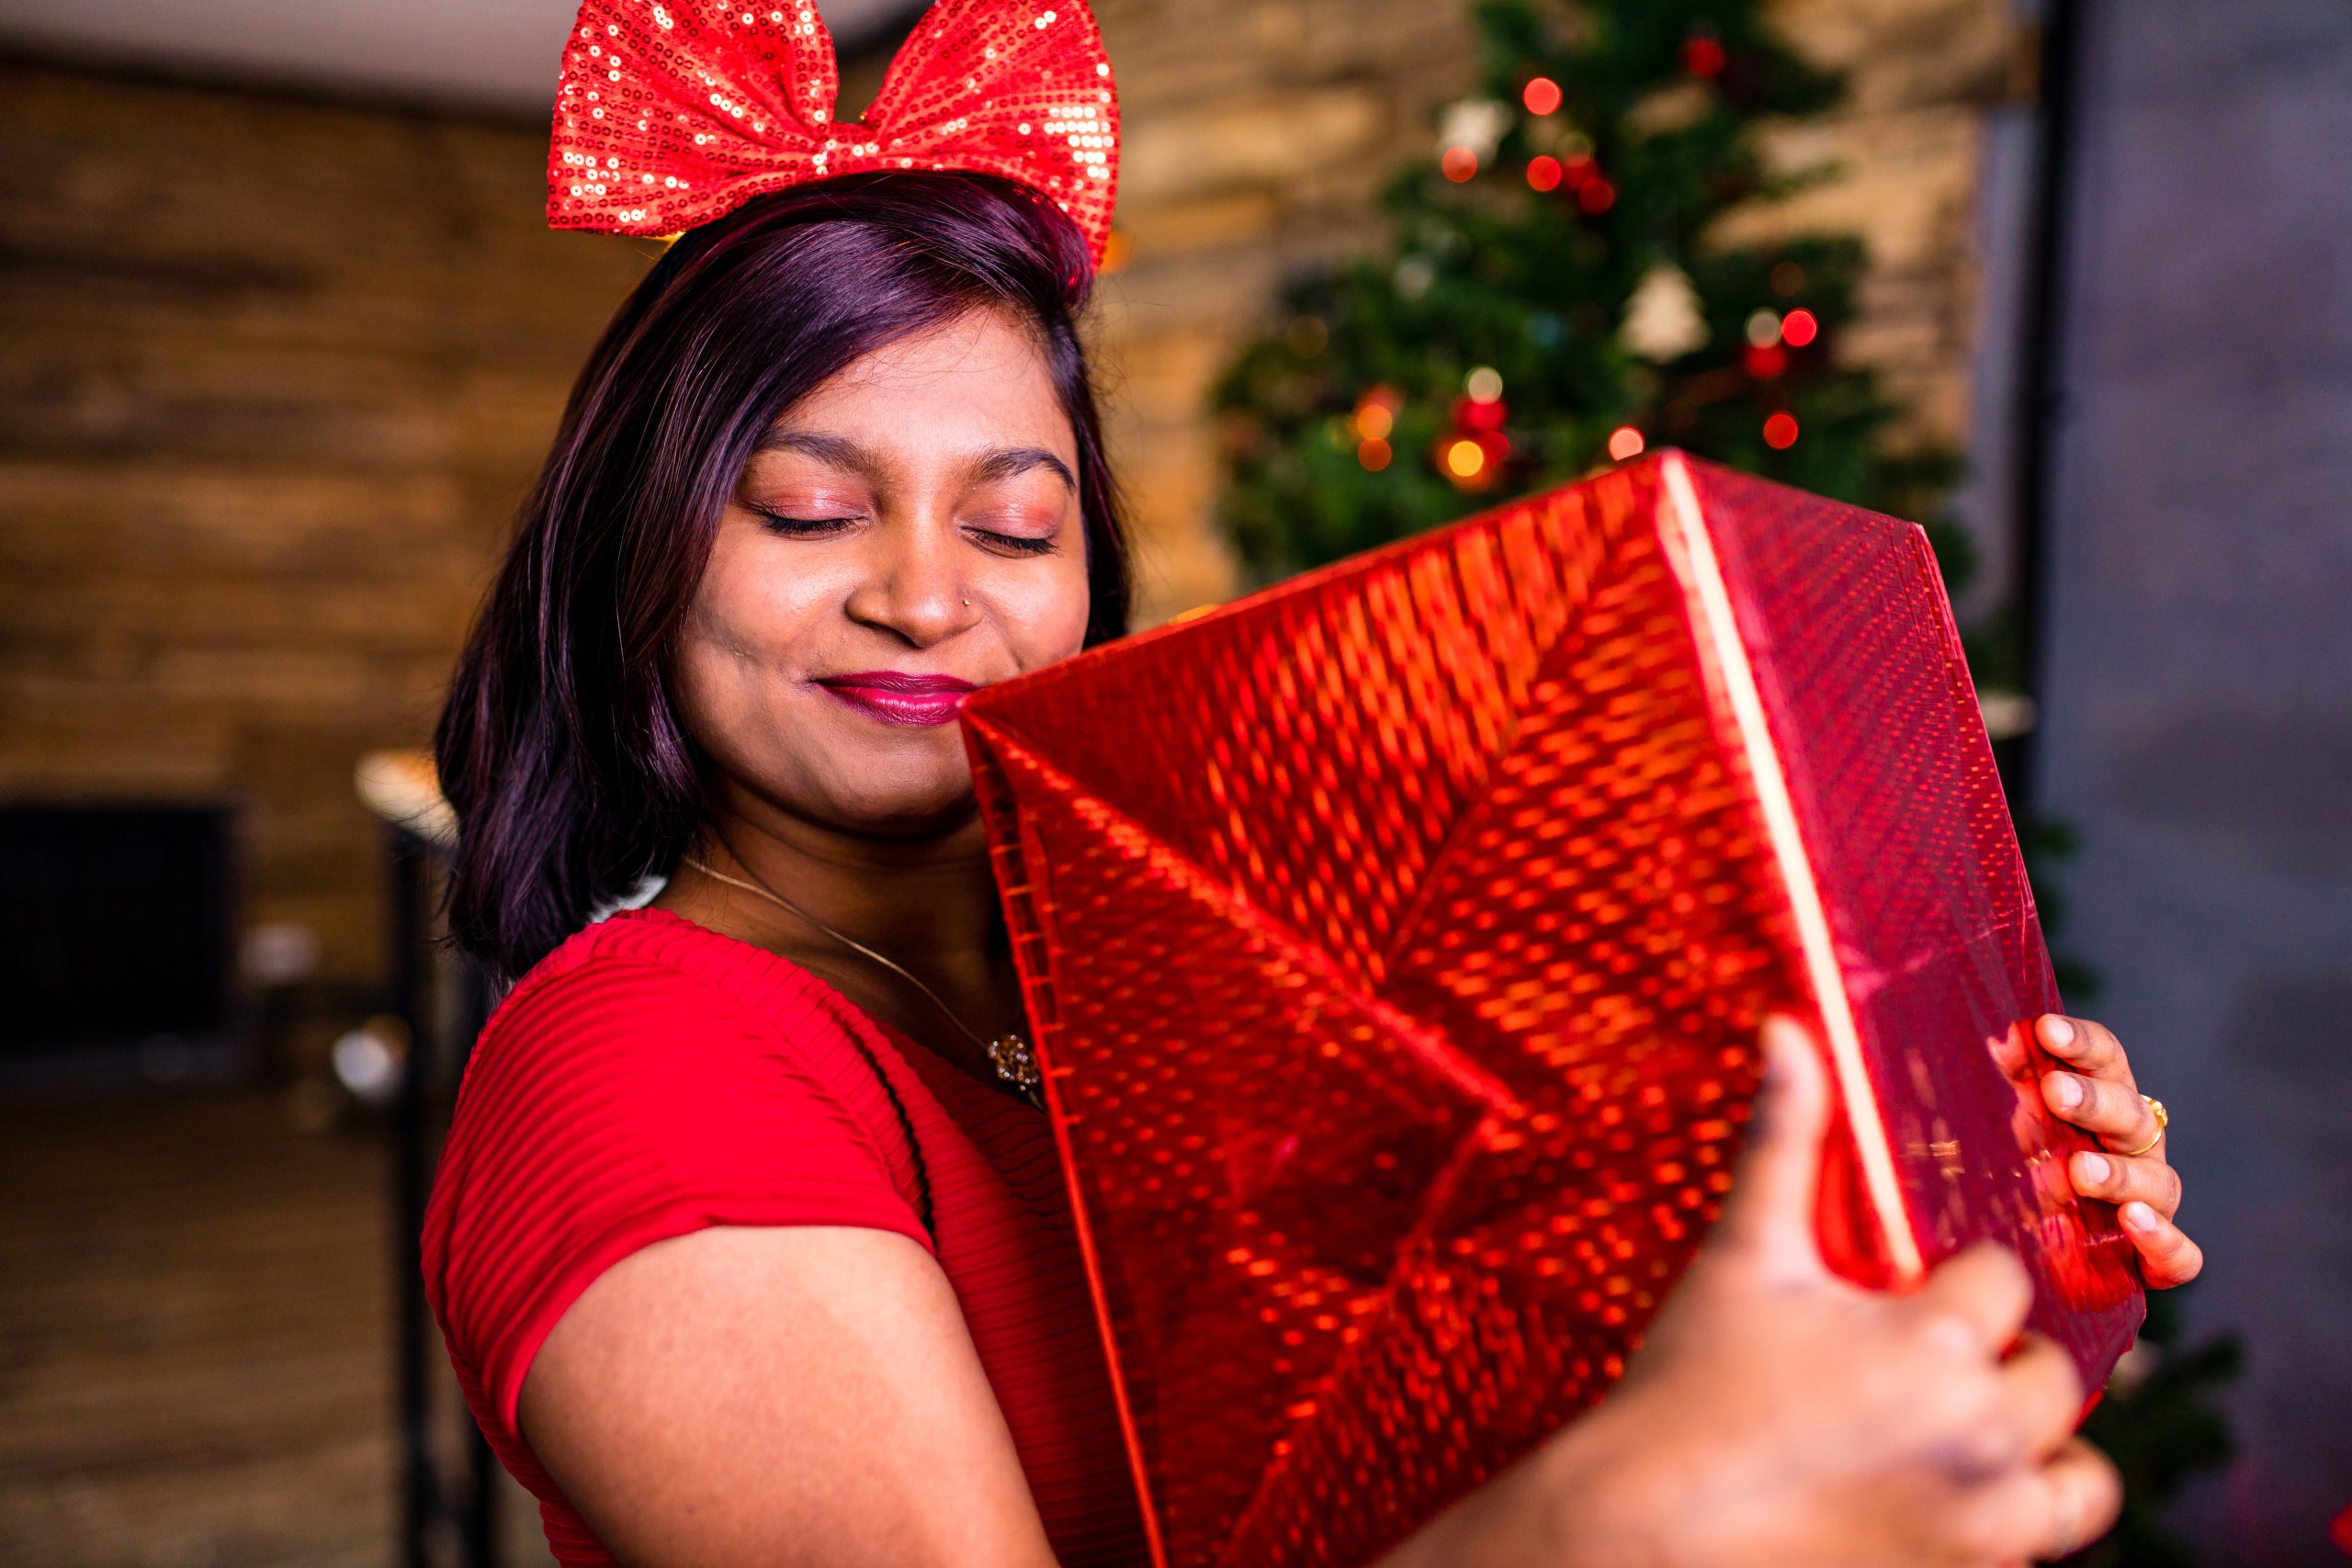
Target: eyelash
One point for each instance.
(811, 527)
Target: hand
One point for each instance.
(2100, 1096)
(1777, 1414)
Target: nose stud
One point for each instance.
(968, 604)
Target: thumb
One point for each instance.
(1770, 1212)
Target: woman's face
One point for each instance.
(907, 532)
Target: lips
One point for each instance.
(894, 697)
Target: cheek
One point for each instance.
(745, 634)
(1045, 619)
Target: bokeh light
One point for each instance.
(1597, 195)
(1781, 431)
(1544, 172)
(1374, 454)
(1798, 328)
(1485, 383)
(1625, 442)
(1541, 97)
(1464, 458)
(1459, 163)
(1764, 328)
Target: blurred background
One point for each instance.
(283, 336)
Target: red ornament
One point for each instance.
(1399, 1035)
(671, 116)
(1703, 56)
(1478, 415)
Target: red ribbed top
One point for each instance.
(649, 1078)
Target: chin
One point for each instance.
(908, 801)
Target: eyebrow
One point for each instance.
(840, 452)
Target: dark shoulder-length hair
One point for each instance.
(561, 748)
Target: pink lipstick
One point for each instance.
(895, 698)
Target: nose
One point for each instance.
(912, 584)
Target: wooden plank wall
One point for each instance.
(273, 376)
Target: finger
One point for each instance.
(2167, 1258)
(2122, 1180)
(2115, 1113)
(2042, 1512)
(2041, 1394)
(2082, 1495)
(2086, 1045)
(1977, 1297)
(1771, 1203)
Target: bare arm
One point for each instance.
(803, 1395)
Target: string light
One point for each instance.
(1374, 454)
(1781, 431)
(1625, 442)
(1464, 458)
(1459, 163)
(1541, 97)
(1485, 384)
(1544, 172)
(1798, 328)
(1764, 328)
(1375, 416)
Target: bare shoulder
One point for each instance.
(789, 1393)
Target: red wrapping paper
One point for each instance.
(1395, 941)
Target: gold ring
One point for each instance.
(2155, 1108)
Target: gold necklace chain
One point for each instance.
(1007, 1052)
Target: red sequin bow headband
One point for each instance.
(671, 115)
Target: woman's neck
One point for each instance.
(926, 902)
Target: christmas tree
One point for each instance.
(1551, 300)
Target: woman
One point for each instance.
(744, 1250)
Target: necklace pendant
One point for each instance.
(1017, 1065)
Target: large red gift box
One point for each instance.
(1395, 941)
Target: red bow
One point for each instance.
(672, 114)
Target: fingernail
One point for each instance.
(2094, 1169)
(2066, 1090)
(2139, 1216)
(2057, 1033)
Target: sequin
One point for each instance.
(728, 104)
(1395, 943)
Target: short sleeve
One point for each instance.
(623, 1102)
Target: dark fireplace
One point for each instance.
(117, 940)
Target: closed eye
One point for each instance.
(803, 527)
(1019, 544)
